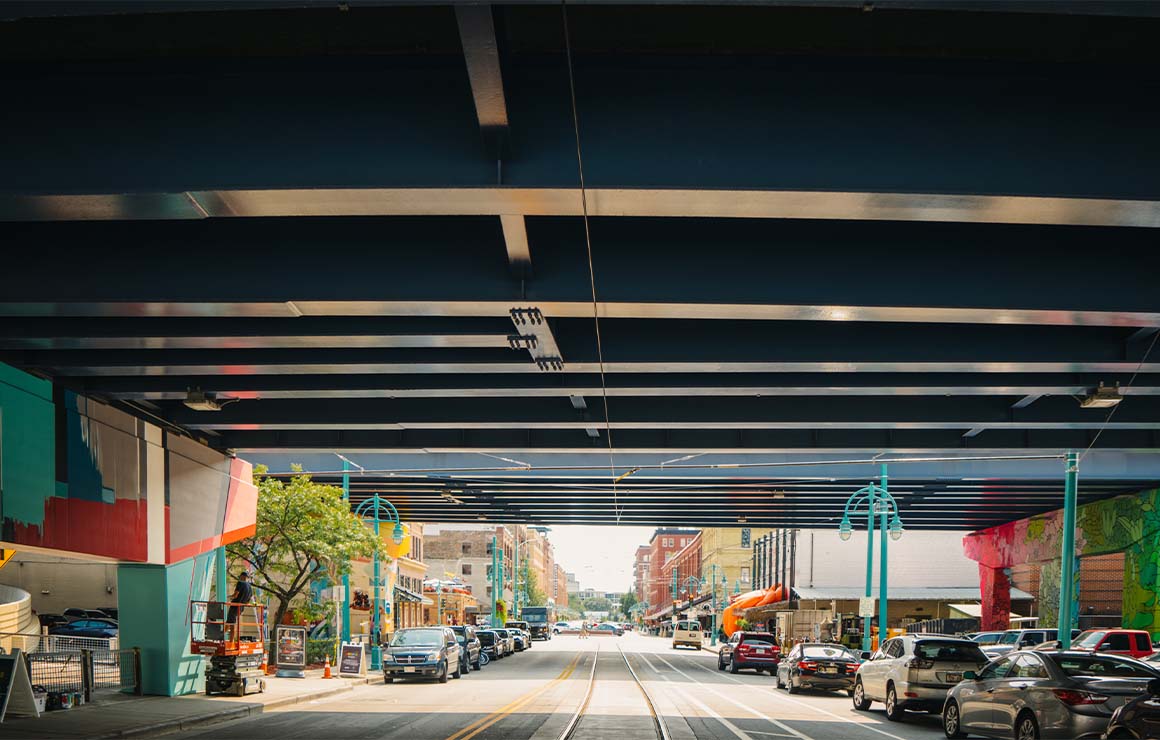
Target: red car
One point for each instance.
(756, 650)
(1133, 643)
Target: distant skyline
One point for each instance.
(601, 557)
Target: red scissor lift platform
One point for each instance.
(233, 637)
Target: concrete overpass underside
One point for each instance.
(810, 234)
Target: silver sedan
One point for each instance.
(1044, 694)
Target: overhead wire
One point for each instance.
(591, 267)
(1112, 411)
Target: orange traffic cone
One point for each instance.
(326, 668)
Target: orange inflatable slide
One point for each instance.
(729, 618)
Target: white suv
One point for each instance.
(915, 672)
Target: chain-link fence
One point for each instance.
(77, 665)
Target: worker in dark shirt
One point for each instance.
(243, 594)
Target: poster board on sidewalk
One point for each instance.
(16, 696)
(351, 660)
(291, 642)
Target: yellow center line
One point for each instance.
(483, 723)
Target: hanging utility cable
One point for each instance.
(591, 269)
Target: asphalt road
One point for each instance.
(533, 695)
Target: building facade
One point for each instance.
(682, 570)
(663, 546)
(728, 552)
(640, 572)
(560, 588)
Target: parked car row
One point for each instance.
(1107, 686)
(76, 622)
(448, 652)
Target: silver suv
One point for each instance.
(914, 672)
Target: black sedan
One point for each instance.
(85, 628)
(818, 665)
(491, 645)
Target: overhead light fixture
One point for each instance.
(199, 400)
(741, 519)
(451, 498)
(1102, 397)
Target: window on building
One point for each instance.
(489, 548)
(489, 591)
(744, 574)
(466, 569)
(667, 542)
(489, 571)
(465, 548)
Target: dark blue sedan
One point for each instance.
(86, 628)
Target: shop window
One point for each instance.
(744, 575)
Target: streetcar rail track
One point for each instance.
(658, 722)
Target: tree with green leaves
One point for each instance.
(598, 604)
(627, 602)
(305, 532)
(533, 594)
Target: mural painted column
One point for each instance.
(995, 586)
(1141, 585)
(1048, 597)
(153, 603)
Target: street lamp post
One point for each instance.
(725, 587)
(372, 510)
(877, 500)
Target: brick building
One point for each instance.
(640, 572)
(684, 564)
(663, 546)
(560, 588)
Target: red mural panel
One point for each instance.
(116, 530)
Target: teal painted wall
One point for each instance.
(154, 614)
(27, 444)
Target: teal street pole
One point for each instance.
(877, 500)
(346, 576)
(882, 567)
(867, 621)
(372, 510)
(1067, 557)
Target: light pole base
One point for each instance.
(376, 658)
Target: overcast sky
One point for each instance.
(601, 557)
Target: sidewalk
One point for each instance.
(136, 716)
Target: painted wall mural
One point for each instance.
(83, 478)
(1128, 524)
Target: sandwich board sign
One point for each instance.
(16, 697)
(351, 663)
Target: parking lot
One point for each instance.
(536, 694)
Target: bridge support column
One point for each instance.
(153, 603)
(995, 586)
(1141, 603)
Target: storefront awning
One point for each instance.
(402, 594)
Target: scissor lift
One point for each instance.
(236, 647)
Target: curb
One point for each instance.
(179, 724)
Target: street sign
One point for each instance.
(866, 606)
(5, 556)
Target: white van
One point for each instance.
(688, 633)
